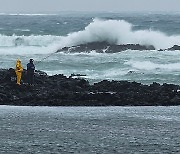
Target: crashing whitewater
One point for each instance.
(98, 30)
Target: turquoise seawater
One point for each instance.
(37, 36)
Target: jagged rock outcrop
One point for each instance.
(175, 47)
(104, 47)
(59, 90)
(101, 47)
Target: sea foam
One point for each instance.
(112, 31)
(120, 32)
(148, 65)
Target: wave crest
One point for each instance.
(119, 32)
(148, 65)
(32, 40)
(116, 32)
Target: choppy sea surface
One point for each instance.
(108, 130)
(38, 36)
(86, 130)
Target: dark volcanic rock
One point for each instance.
(175, 47)
(101, 47)
(104, 47)
(59, 90)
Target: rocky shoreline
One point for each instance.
(59, 90)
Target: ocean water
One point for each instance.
(87, 130)
(39, 36)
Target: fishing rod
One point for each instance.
(45, 58)
(41, 59)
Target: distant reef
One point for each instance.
(59, 90)
(104, 47)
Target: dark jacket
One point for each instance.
(30, 68)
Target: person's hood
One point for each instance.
(18, 61)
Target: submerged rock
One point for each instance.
(59, 90)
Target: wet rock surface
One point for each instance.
(101, 47)
(104, 47)
(175, 47)
(59, 90)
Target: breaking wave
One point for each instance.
(120, 32)
(112, 31)
(41, 44)
(148, 65)
(33, 40)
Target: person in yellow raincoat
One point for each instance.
(19, 70)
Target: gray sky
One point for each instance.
(36, 6)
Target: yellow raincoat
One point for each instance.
(19, 70)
